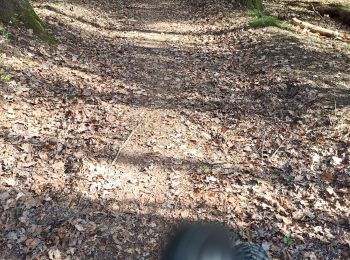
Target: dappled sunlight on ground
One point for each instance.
(157, 112)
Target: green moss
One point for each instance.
(32, 20)
(5, 77)
(21, 12)
(341, 10)
(217, 102)
(6, 34)
(269, 21)
(15, 21)
(262, 20)
(256, 13)
(287, 240)
(253, 4)
(344, 14)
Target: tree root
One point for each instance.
(21, 11)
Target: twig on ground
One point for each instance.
(262, 147)
(276, 151)
(346, 135)
(317, 12)
(126, 141)
(279, 147)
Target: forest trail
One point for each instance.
(155, 112)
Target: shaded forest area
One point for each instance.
(121, 119)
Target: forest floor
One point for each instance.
(149, 113)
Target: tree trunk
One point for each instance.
(22, 11)
(253, 4)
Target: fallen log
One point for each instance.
(320, 30)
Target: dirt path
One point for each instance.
(159, 112)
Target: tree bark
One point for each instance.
(253, 4)
(21, 11)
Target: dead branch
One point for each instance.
(320, 30)
(126, 141)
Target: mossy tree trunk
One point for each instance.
(22, 11)
(253, 4)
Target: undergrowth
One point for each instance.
(6, 34)
(4, 76)
(261, 19)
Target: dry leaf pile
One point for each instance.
(148, 113)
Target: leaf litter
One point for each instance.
(247, 127)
